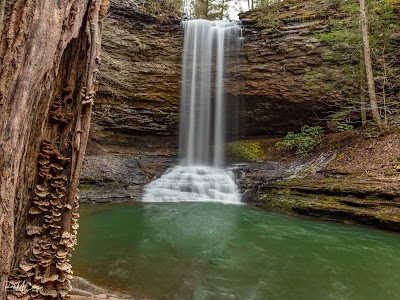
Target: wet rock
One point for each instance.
(116, 174)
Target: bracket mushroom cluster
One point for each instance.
(57, 114)
(87, 97)
(45, 271)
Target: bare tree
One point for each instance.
(384, 82)
(362, 88)
(210, 9)
(368, 67)
(201, 9)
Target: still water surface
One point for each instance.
(216, 251)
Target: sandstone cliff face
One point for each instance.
(301, 63)
(278, 52)
(139, 76)
(287, 74)
(272, 83)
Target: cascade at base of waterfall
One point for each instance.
(193, 184)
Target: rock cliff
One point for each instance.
(301, 63)
(350, 178)
(279, 49)
(139, 76)
(297, 66)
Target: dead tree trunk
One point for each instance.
(362, 90)
(368, 67)
(2, 11)
(48, 54)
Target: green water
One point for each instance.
(215, 251)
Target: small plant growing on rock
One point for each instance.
(245, 151)
(339, 122)
(304, 141)
(344, 127)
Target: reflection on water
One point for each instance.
(214, 251)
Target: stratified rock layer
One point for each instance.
(141, 70)
(278, 51)
(139, 76)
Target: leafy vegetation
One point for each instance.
(304, 141)
(245, 151)
(345, 127)
(340, 36)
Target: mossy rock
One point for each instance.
(245, 151)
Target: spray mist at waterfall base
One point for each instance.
(193, 184)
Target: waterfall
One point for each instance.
(202, 97)
(200, 176)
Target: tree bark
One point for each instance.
(385, 70)
(2, 12)
(48, 55)
(368, 67)
(222, 12)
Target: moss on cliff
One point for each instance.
(245, 151)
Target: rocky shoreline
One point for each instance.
(351, 179)
(119, 173)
